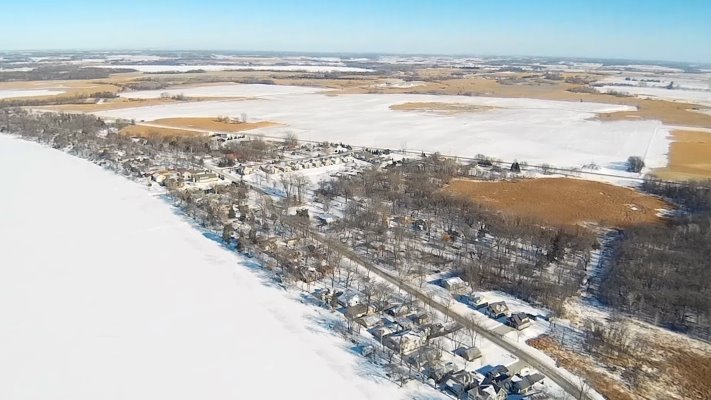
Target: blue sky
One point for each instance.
(675, 30)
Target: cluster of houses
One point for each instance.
(407, 331)
(497, 310)
(295, 165)
(200, 179)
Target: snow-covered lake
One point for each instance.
(225, 90)
(7, 94)
(106, 292)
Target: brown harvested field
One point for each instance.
(689, 156)
(563, 201)
(671, 366)
(448, 108)
(212, 124)
(153, 131)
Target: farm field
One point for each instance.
(537, 131)
(563, 201)
(212, 124)
(689, 156)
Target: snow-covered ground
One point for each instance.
(235, 67)
(537, 131)
(702, 97)
(107, 292)
(226, 90)
(7, 94)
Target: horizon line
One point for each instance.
(371, 53)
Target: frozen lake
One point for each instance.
(107, 293)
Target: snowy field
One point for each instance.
(233, 67)
(226, 90)
(7, 94)
(537, 131)
(106, 292)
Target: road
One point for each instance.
(571, 386)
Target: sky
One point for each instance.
(670, 30)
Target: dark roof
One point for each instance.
(527, 381)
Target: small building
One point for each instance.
(468, 353)
(519, 321)
(498, 310)
(453, 283)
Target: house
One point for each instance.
(497, 310)
(495, 374)
(460, 382)
(356, 311)
(349, 299)
(405, 323)
(473, 300)
(406, 341)
(205, 177)
(382, 331)
(439, 370)
(487, 392)
(453, 283)
(519, 321)
(397, 310)
(419, 317)
(424, 355)
(420, 225)
(244, 169)
(369, 321)
(325, 219)
(324, 295)
(468, 353)
(525, 384)
(307, 274)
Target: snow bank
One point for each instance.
(106, 292)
